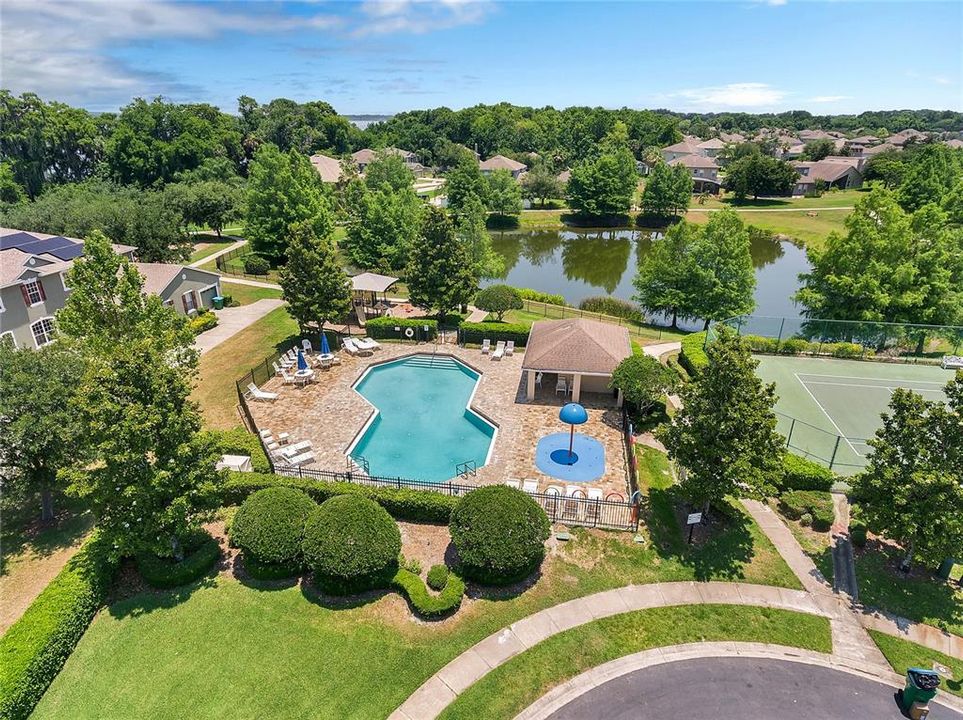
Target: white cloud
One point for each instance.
(419, 16)
(733, 95)
(829, 98)
(942, 80)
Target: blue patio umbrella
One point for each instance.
(302, 363)
(573, 414)
(325, 348)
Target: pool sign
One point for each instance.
(694, 519)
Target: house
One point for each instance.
(858, 145)
(875, 150)
(810, 135)
(328, 168)
(711, 147)
(904, 136)
(363, 158)
(954, 144)
(33, 283)
(732, 138)
(835, 172)
(679, 149)
(704, 171)
(500, 162)
(586, 351)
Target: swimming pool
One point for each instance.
(423, 427)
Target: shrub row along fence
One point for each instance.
(612, 513)
(558, 312)
(225, 265)
(848, 339)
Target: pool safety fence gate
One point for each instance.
(613, 512)
(857, 340)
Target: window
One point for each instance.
(43, 331)
(8, 337)
(190, 301)
(32, 292)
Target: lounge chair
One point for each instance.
(295, 449)
(593, 507)
(352, 347)
(574, 502)
(256, 393)
(513, 483)
(486, 346)
(510, 347)
(499, 350)
(303, 459)
(530, 486)
(306, 346)
(561, 385)
(265, 434)
(288, 378)
(553, 497)
(367, 344)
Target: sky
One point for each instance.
(386, 56)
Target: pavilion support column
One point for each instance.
(577, 387)
(531, 384)
(619, 399)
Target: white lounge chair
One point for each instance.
(306, 346)
(513, 483)
(530, 486)
(553, 498)
(593, 507)
(561, 385)
(295, 449)
(510, 347)
(486, 346)
(303, 459)
(288, 378)
(499, 350)
(256, 393)
(367, 344)
(352, 347)
(265, 434)
(574, 501)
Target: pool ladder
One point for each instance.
(466, 469)
(357, 463)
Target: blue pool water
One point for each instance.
(423, 428)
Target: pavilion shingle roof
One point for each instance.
(372, 282)
(576, 345)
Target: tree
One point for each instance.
(470, 226)
(313, 283)
(668, 277)
(725, 435)
(726, 279)
(499, 299)
(283, 190)
(606, 185)
(541, 184)
(388, 169)
(912, 488)
(759, 175)
(383, 225)
(818, 149)
(463, 182)
(207, 203)
(930, 174)
(644, 381)
(504, 193)
(888, 167)
(10, 191)
(889, 267)
(668, 191)
(151, 476)
(40, 429)
(440, 273)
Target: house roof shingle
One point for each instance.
(694, 161)
(576, 345)
(328, 168)
(500, 162)
(372, 282)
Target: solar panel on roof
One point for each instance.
(38, 247)
(15, 240)
(68, 253)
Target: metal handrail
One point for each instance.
(466, 469)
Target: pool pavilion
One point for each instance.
(574, 356)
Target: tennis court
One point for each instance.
(828, 408)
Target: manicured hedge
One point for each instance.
(383, 328)
(424, 603)
(238, 441)
(500, 534)
(796, 503)
(541, 297)
(799, 473)
(437, 577)
(476, 332)
(201, 551)
(693, 356)
(269, 529)
(857, 532)
(416, 505)
(256, 265)
(352, 544)
(34, 648)
(202, 322)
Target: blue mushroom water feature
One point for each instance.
(573, 414)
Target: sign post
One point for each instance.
(693, 520)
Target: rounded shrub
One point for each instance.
(438, 577)
(201, 551)
(500, 534)
(806, 520)
(352, 544)
(256, 265)
(269, 529)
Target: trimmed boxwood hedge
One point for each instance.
(424, 603)
(238, 441)
(500, 534)
(796, 503)
(352, 544)
(470, 332)
(415, 505)
(799, 473)
(383, 328)
(269, 529)
(201, 551)
(36, 646)
(437, 577)
(693, 356)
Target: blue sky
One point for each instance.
(392, 55)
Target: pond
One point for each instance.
(581, 263)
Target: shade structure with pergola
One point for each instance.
(365, 289)
(587, 350)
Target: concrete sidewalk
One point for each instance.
(214, 256)
(231, 321)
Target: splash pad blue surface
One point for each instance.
(552, 457)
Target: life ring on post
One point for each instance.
(409, 332)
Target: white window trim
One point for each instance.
(36, 282)
(2, 307)
(13, 338)
(63, 281)
(196, 302)
(34, 335)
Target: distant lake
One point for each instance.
(581, 263)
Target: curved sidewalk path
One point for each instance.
(440, 690)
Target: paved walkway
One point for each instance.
(252, 283)
(476, 315)
(657, 351)
(214, 256)
(231, 321)
(773, 210)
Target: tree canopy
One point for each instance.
(504, 193)
(382, 225)
(605, 186)
(644, 381)
(498, 300)
(441, 275)
(668, 191)
(759, 174)
(313, 282)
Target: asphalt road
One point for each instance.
(740, 689)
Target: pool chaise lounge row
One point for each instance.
(952, 362)
(285, 452)
(502, 348)
(362, 346)
(577, 504)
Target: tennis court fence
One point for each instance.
(842, 454)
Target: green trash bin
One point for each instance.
(920, 687)
(218, 302)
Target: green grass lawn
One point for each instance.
(207, 249)
(917, 597)
(903, 654)
(817, 545)
(228, 361)
(812, 231)
(829, 199)
(512, 687)
(246, 294)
